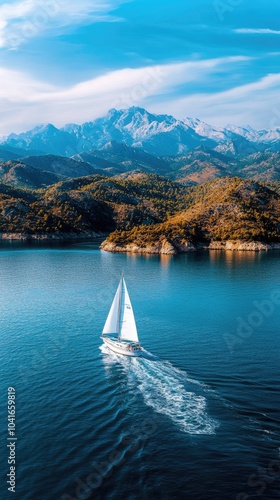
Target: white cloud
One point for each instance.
(259, 31)
(24, 102)
(252, 104)
(24, 19)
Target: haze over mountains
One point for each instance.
(188, 181)
(159, 135)
(130, 140)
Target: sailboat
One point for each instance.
(120, 332)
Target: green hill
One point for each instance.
(220, 210)
(145, 211)
(89, 204)
(15, 173)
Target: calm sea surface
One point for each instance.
(197, 418)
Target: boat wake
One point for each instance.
(167, 390)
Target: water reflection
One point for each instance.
(233, 258)
(165, 260)
(45, 244)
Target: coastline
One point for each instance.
(170, 248)
(163, 246)
(50, 237)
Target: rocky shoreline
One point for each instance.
(163, 246)
(170, 248)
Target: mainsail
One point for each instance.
(128, 330)
(121, 319)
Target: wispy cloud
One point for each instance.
(24, 101)
(25, 19)
(259, 31)
(251, 104)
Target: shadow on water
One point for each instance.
(44, 244)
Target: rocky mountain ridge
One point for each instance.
(159, 135)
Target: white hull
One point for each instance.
(123, 348)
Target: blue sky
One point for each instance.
(67, 61)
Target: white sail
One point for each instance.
(128, 330)
(121, 319)
(112, 324)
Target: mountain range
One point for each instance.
(130, 140)
(159, 135)
(151, 179)
(117, 159)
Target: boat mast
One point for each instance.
(120, 308)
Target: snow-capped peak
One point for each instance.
(158, 134)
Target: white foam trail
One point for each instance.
(168, 391)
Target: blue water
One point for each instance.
(196, 418)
